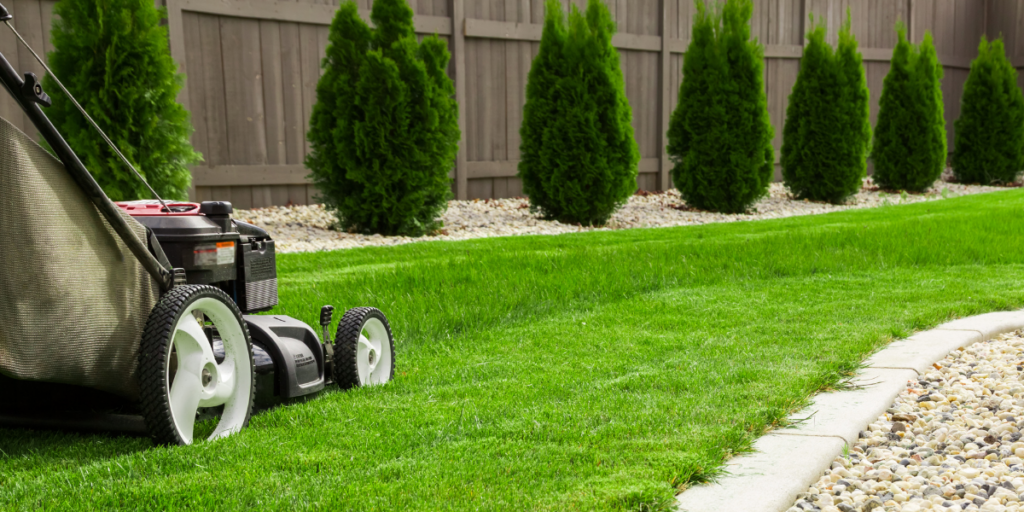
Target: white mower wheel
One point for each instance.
(363, 349)
(178, 372)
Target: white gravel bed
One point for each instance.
(951, 441)
(308, 228)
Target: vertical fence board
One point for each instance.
(482, 188)
(470, 106)
(924, 19)
(953, 87)
(944, 28)
(876, 72)
(46, 16)
(458, 47)
(273, 100)
(479, 86)
(291, 86)
(966, 30)
(1001, 17)
(309, 61)
(273, 92)
(516, 70)
(213, 87)
(194, 73)
(243, 88)
(1014, 28)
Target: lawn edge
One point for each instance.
(786, 462)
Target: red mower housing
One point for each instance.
(152, 208)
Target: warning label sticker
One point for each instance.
(226, 253)
(222, 253)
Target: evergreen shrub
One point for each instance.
(828, 125)
(384, 130)
(720, 137)
(113, 56)
(990, 130)
(909, 151)
(578, 155)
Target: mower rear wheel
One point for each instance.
(179, 373)
(363, 349)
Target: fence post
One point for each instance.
(665, 75)
(910, 20)
(457, 8)
(803, 21)
(176, 42)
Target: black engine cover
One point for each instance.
(217, 250)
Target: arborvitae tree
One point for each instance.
(578, 156)
(384, 131)
(828, 124)
(720, 137)
(540, 107)
(113, 56)
(910, 138)
(990, 130)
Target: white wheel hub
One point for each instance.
(373, 354)
(197, 380)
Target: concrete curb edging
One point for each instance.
(786, 462)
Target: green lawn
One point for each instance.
(593, 371)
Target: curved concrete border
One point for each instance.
(786, 462)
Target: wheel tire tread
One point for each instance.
(346, 345)
(154, 400)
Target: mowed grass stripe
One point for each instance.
(598, 371)
(437, 290)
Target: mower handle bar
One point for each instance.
(14, 85)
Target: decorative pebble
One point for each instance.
(309, 228)
(963, 452)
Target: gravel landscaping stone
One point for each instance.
(951, 441)
(308, 228)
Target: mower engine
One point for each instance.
(214, 249)
(239, 258)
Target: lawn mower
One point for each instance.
(142, 315)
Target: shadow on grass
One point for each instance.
(30, 450)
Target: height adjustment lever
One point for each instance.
(326, 313)
(33, 91)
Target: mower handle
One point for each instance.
(29, 103)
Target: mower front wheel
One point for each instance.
(179, 372)
(363, 349)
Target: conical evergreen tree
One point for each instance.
(856, 104)
(720, 136)
(540, 107)
(113, 56)
(990, 130)
(578, 155)
(909, 152)
(384, 130)
(828, 125)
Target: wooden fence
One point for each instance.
(252, 67)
